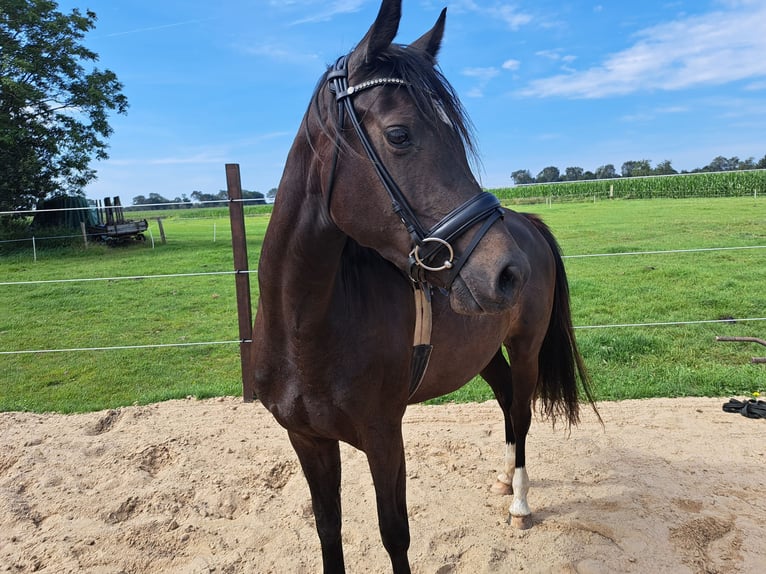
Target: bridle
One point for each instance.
(427, 243)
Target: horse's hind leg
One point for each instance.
(385, 454)
(514, 387)
(525, 377)
(320, 460)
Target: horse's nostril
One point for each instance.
(506, 283)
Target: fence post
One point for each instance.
(84, 233)
(161, 227)
(242, 280)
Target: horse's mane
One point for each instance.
(432, 94)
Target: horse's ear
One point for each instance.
(431, 41)
(381, 33)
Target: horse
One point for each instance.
(387, 277)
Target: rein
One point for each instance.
(428, 244)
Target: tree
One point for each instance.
(573, 173)
(157, 201)
(53, 112)
(250, 197)
(522, 176)
(549, 174)
(664, 168)
(721, 163)
(220, 198)
(748, 163)
(211, 199)
(154, 199)
(606, 172)
(636, 168)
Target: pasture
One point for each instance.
(608, 291)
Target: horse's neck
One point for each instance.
(301, 252)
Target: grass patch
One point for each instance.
(624, 362)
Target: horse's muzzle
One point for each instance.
(475, 296)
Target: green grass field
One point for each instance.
(624, 362)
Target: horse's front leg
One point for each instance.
(498, 375)
(320, 460)
(385, 454)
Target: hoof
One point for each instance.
(521, 522)
(501, 488)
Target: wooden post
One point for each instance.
(746, 340)
(84, 233)
(109, 211)
(162, 230)
(242, 280)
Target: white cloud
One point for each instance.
(328, 10)
(756, 86)
(483, 76)
(673, 110)
(711, 49)
(274, 52)
(511, 65)
(556, 56)
(510, 15)
(505, 12)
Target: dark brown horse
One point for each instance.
(388, 277)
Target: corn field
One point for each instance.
(713, 184)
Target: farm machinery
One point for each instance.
(112, 227)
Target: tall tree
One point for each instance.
(522, 176)
(606, 172)
(549, 174)
(636, 168)
(53, 112)
(722, 163)
(573, 173)
(664, 168)
(748, 163)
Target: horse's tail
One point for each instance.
(560, 362)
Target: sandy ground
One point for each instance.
(213, 486)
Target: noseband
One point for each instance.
(427, 243)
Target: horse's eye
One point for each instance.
(398, 136)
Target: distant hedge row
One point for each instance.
(712, 184)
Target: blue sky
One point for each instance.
(562, 83)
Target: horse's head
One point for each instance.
(392, 141)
